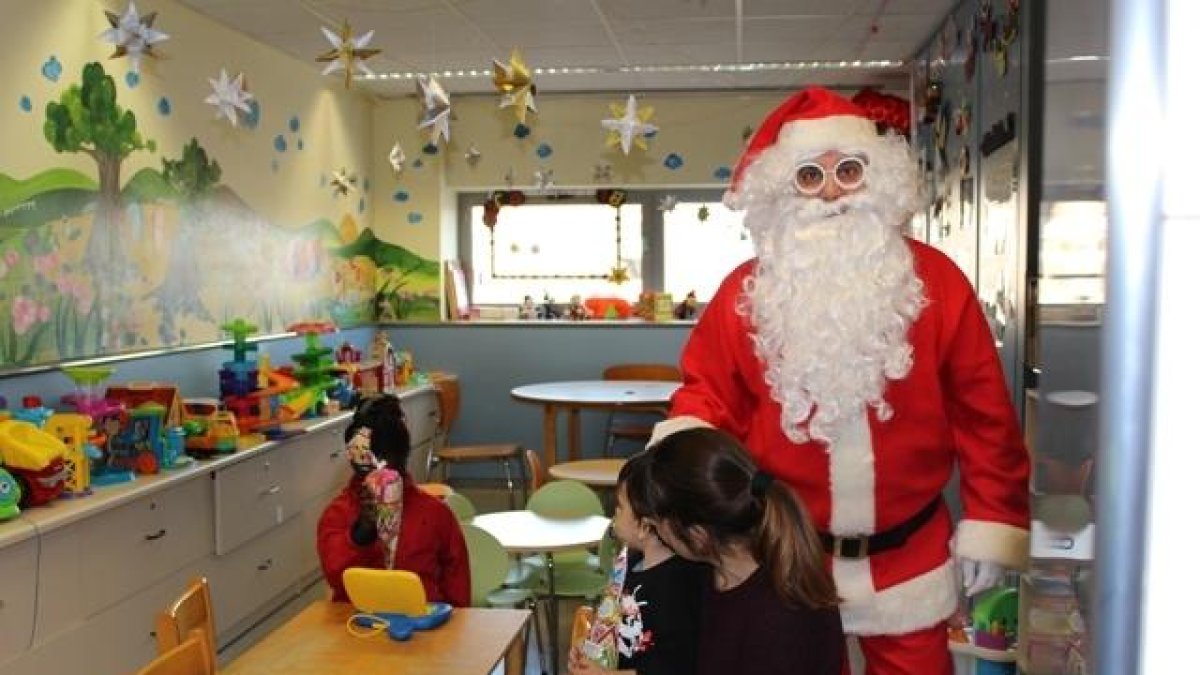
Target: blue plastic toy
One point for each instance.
(400, 627)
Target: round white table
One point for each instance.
(528, 532)
(595, 472)
(574, 396)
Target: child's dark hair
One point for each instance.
(389, 434)
(702, 479)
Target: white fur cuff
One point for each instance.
(667, 427)
(993, 542)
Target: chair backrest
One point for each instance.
(488, 561)
(462, 507)
(449, 401)
(190, 657)
(534, 469)
(661, 372)
(191, 614)
(439, 490)
(565, 499)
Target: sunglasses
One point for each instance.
(849, 174)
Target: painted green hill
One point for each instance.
(323, 230)
(385, 254)
(14, 192)
(148, 185)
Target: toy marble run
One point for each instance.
(313, 372)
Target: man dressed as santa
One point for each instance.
(857, 366)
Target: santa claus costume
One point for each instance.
(857, 366)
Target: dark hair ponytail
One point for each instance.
(383, 415)
(701, 480)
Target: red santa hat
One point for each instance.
(813, 118)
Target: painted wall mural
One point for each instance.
(104, 263)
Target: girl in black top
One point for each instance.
(770, 606)
(659, 605)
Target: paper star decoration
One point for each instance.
(349, 52)
(618, 275)
(602, 172)
(544, 179)
(628, 126)
(436, 113)
(515, 85)
(343, 183)
(396, 159)
(132, 35)
(229, 96)
(667, 202)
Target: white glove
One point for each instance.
(979, 575)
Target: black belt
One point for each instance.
(862, 546)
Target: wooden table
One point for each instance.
(598, 394)
(527, 532)
(595, 472)
(316, 641)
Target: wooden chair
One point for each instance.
(190, 615)
(504, 454)
(635, 424)
(535, 473)
(439, 490)
(187, 658)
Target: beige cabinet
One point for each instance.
(18, 565)
(252, 497)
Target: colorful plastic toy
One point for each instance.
(108, 416)
(139, 444)
(209, 429)
(75, 430)
(35, 459)
(10, 496)
(392, 601)
(314, 372)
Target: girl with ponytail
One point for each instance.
(771, 606)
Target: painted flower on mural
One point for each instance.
(46, 265)
(27, 312)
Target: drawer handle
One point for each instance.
(265, 565)
(273, 490)
(335, 454)
(157, 535)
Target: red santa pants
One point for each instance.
(923, 652)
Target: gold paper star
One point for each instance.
(515, 85)
(348, 52)
(618, 275)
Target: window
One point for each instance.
(1073, 253)
(566, 244)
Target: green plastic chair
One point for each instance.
(564, 499)
(462, 507)
(489, 564)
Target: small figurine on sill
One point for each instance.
(547, 310)
(577, 311)
(645, 306)
(687, 309)
(528, 310)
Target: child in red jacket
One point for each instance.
(426, 540)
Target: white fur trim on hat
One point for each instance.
(992, 542)
(908, 606)
(667, 427)
(826, 133)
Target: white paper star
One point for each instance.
(349, 52)
(396, 159)
(436, 113)
(629, 125)
(602, 172)
(132, 35)
(229, 96)
(667, 202)
(472, 155)
(544, 179)
(343, 183)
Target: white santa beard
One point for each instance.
(831, 303)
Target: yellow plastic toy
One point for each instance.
(27, 447)
(385, 591)
(73, 430)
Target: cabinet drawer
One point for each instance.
(246, 579)
(132, 546)
(252, 497)
(319, 463)
(421, 415)
(18, 572)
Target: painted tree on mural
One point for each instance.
(87, 119)
(193, 177)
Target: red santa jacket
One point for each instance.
(953, 406)
(431, 545)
